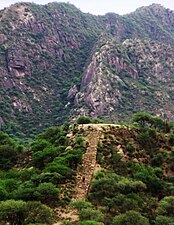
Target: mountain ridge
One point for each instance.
(45, 51)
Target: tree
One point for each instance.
(39, 213)
(166, 206)
(41, 158)
(46, 192)
(91, 214)
(121, 203)
(142, 118)
(22, 213)
(80, 204)
(13, 212)
(164, 220)
(84, 120)
(149, 176)
(9, 151)
(39, 145)
(130, 218)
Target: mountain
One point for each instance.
(57, 62)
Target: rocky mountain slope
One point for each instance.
(127, 77)
(57, 62)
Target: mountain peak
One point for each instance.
(152, 7)
(54, 61)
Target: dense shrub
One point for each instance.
(61, 169)
(39, 145)
(13, 212)
(23, 213)
(144, 119)
(164, 220)
(91, 214)
(149, 176)
(42, 158)
(10, 151)
(25, 191)
(80, 204)
(130, 218)
(52, 134)
(111, 184)
(158, 159)
(84, 120)
(46, 192)
(54, 178)
(39, 213)
(166, 206)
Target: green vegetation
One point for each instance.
(9, 152)
(86, 120)
(29, 190)
(20, 213)
(129, 218)
(44, 53)
(135, 184)
(144, 119)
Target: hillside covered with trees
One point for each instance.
(131, 182)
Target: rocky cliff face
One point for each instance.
(126, 77)
(57, 62)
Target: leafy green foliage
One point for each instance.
(166, 206)
(46, 192)
(116, 193)
(129, 218)
(83, 120)
(144, 119)
(21, 213)
(91, 214)
(164, 220)
(133, 188)
(135, 162)
(151, 178)
(52, 165)
(10, 151)
(13, 211)
(39, 213)
(86, 120)
(80, 204)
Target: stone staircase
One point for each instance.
(84, 175)
(86, 170)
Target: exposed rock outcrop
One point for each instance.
(126, 75)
